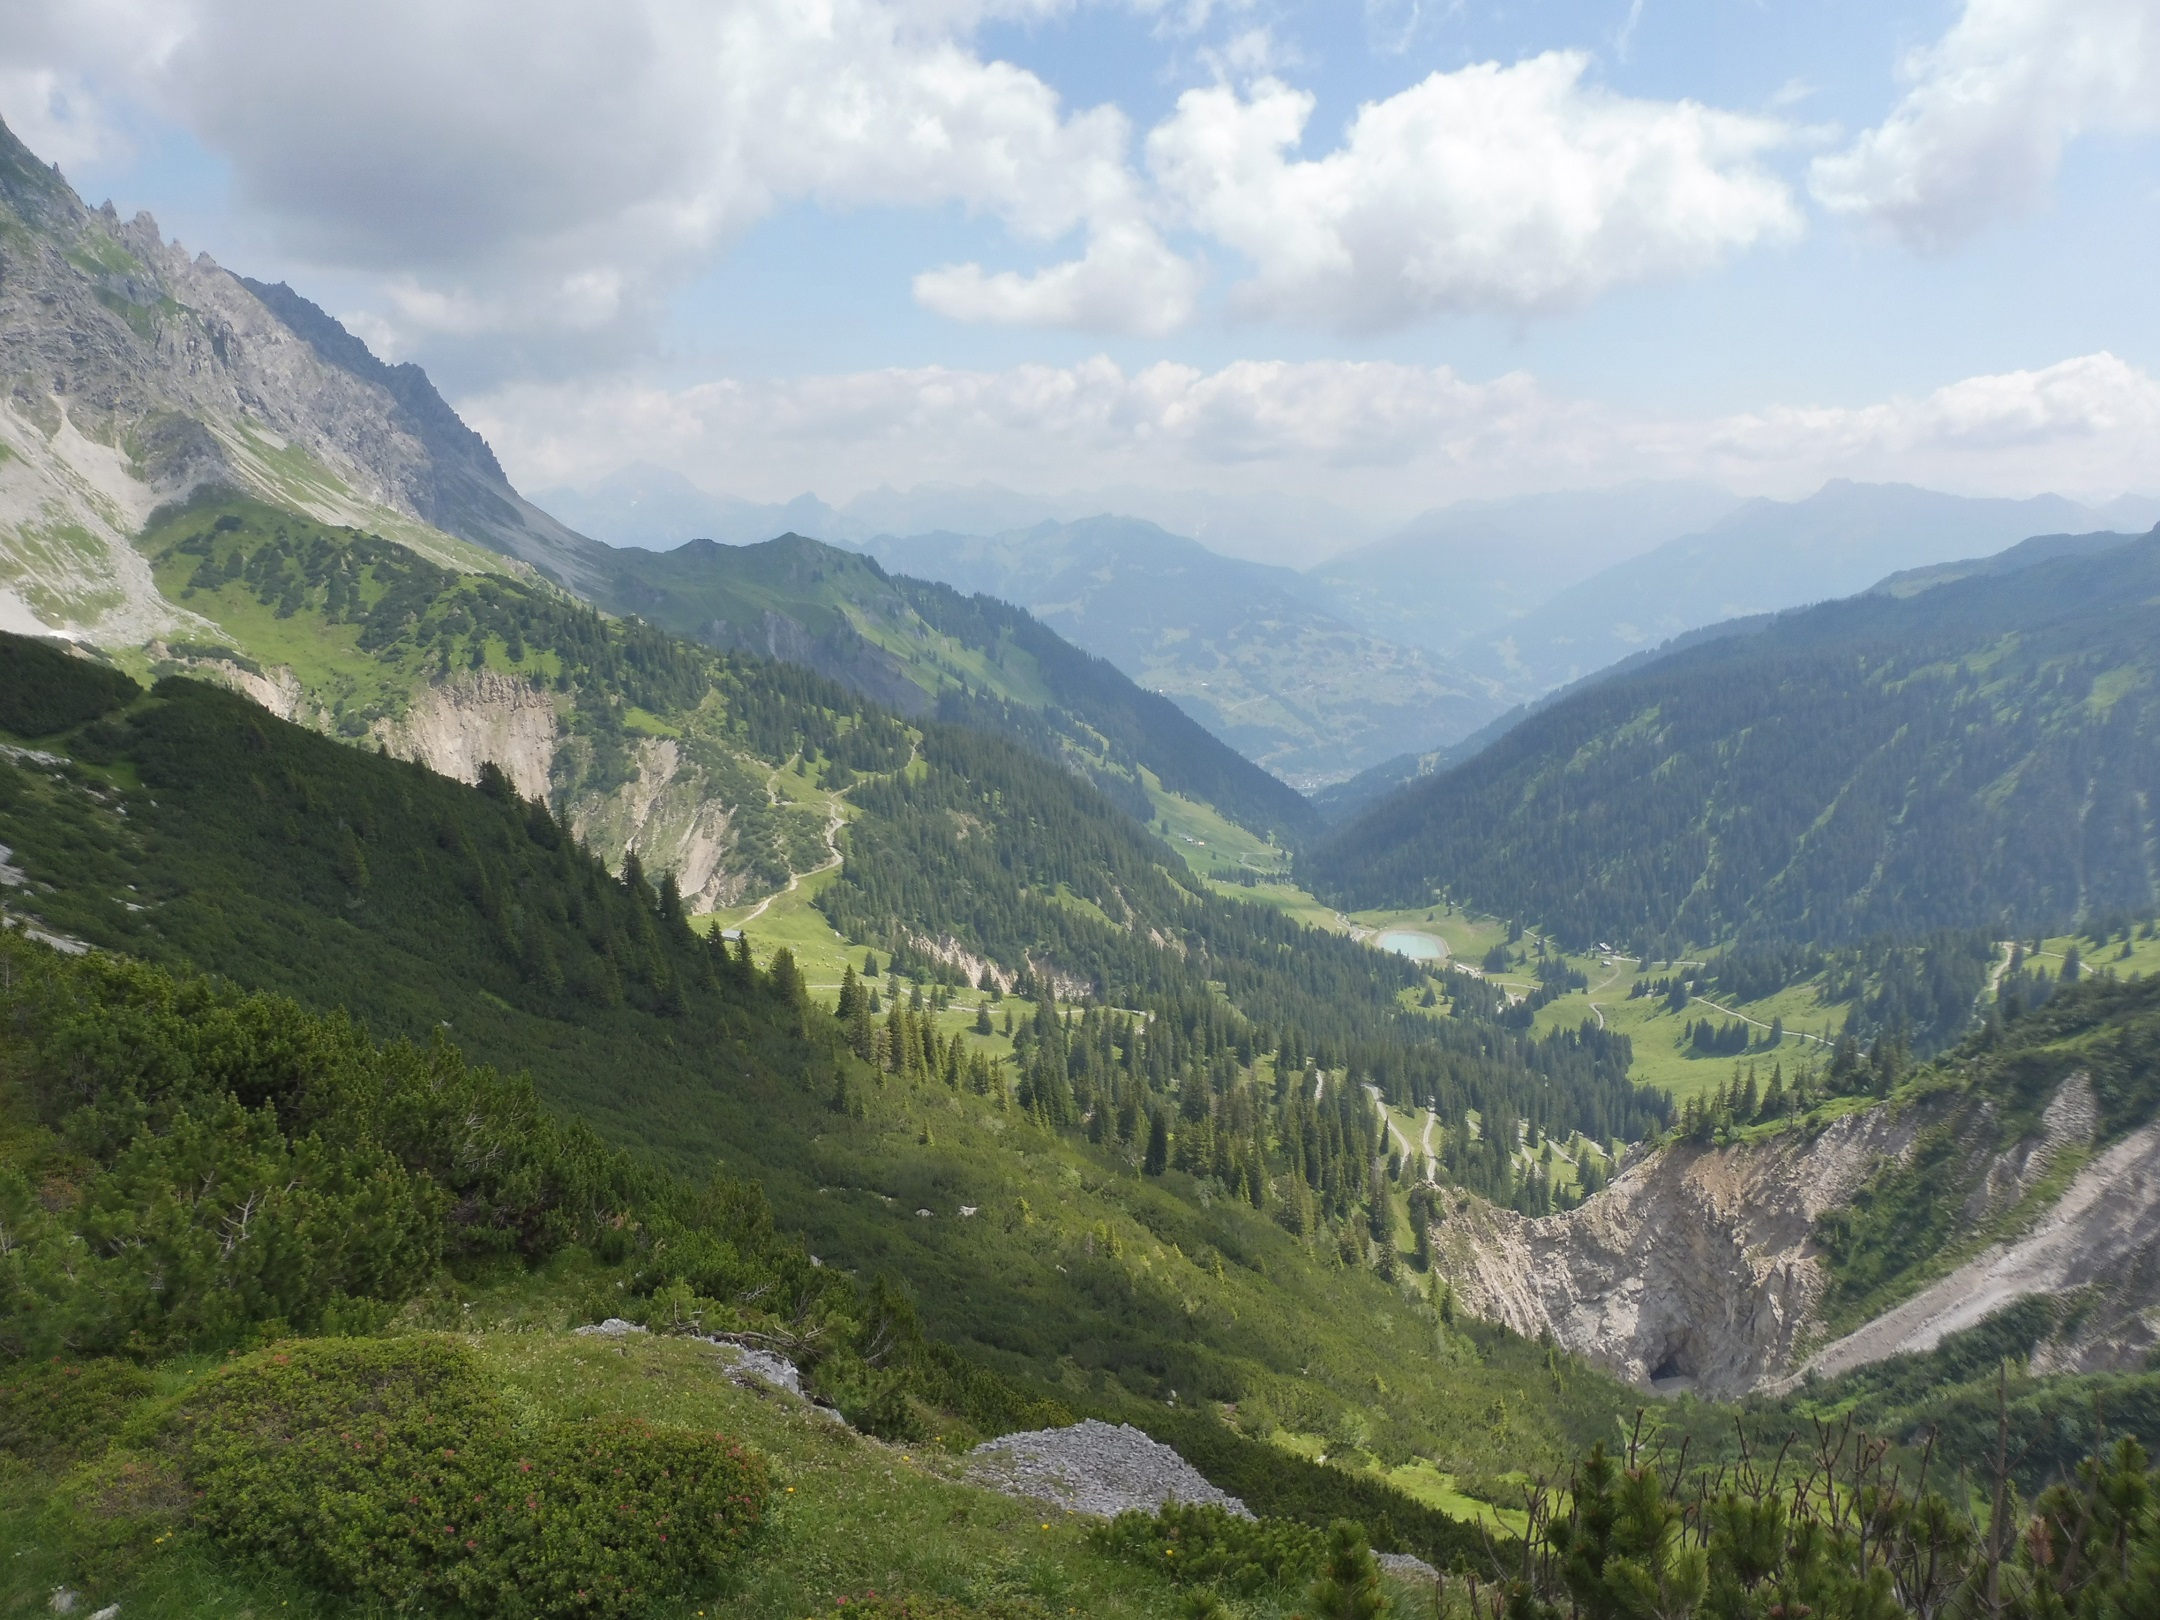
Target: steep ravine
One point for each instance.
(1699, 1268)
(2102, 1234)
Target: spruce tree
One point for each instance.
(1349, 1584)
(1158, 1145)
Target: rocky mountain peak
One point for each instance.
(136, 374)
(30, 188)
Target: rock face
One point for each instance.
(456, 727)
(1696, 1268)
(133, 373)
(2103, 1233)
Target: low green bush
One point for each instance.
(111, 1513)
(1280, 1485)
(1205, 1545)
(386, 1468)
(62, 1408)
(873, 1606)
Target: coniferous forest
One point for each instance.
(1979, 756)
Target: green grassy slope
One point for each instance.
(357, 635)
(1979, 756)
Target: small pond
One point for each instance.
(1423, 947)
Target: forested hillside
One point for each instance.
(921, 648)
(1981, 755)
(993, 851)
(1217, 1166)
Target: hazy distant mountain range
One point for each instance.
(653, 507)
(1247, 650)
(1387, 656)
(1767, 555)
(1453, 577)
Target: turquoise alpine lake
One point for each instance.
(1423, 947)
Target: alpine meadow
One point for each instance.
(1260, 814)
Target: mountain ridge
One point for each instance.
(1707, 795)
(1765, 556)
(922, 648)
(1237, 645)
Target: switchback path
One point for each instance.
(1798, 1034)
(1604, 984)
(794, 880)
(1403, 1141)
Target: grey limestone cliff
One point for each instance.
(1701, 1267)
(131, 373)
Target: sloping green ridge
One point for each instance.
(1982, 755)
(923, 647)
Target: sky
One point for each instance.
(1389, 254)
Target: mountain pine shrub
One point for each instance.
(388, 1470)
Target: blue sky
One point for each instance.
(1387, 255)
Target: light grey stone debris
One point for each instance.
(762, 1365)
(1094, 1467)
(613, 1328)
(63, 1601)
(747, 1364)
(111, 1611)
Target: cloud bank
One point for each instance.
(1518, 190)
(1374, 437)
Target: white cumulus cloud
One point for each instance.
(1990, 107)
(527, 166)
(1128, 281)
(1516, 189)
(510, 174)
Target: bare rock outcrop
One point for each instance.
(132, 373)
(675, 818)
(1696, 1268)
(484, 716)
(2068, 1123)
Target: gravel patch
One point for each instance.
(1095, 1468)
